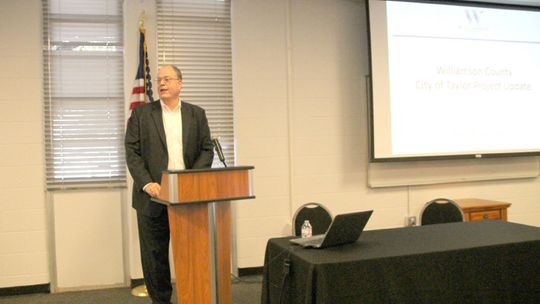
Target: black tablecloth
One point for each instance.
(470, 262)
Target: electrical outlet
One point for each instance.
(411, 221)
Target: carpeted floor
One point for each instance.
(245, 290)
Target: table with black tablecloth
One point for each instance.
(469, 262)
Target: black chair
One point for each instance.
(318, 216)
(441, 210)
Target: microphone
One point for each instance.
(219, 150)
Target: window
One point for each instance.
(196, 37)
(84, 94)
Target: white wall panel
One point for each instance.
(23, 230)
(88, 239)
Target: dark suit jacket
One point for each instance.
(146, 148)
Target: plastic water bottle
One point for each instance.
(306, 229)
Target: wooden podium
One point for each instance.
(200, 222)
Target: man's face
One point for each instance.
(169, 85)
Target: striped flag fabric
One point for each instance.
(142, 86)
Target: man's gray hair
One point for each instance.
(176, 69)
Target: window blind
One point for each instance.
(84, 94)
(195, 35)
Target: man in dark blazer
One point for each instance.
(165, 134)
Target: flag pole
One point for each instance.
(142, 16)
(140, 290)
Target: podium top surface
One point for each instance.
(188, 171)
(205, 185)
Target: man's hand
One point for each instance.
(152, 189)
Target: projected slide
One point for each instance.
(459, 80)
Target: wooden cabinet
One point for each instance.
(476, 209)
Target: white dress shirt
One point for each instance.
(172, 122)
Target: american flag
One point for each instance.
(142, 86)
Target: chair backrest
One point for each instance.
(441, 210)
(318, 215)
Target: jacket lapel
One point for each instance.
(186, 122)
(157, 116)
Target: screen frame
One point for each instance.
(369, 84)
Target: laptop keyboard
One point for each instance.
(310, 241)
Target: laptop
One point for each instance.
(344, 229)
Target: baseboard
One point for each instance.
(19, 290)
(250, 271)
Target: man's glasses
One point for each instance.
(166, 79)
